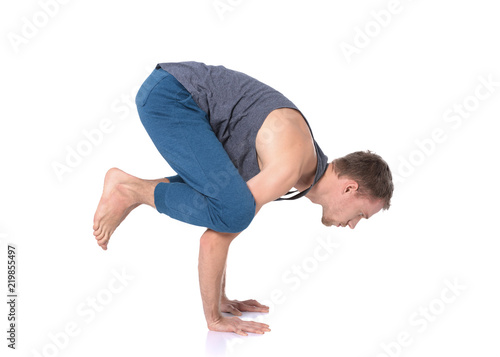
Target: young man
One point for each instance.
(236, 144)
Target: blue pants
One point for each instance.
(208, 190)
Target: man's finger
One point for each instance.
(254, 303)
(250, 308)
(234, 310)
(241, 332)
(256, 327)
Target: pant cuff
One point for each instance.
(160, 192)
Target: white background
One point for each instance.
(83, 63)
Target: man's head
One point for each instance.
(355, 186)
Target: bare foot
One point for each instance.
(116, 203)
(119, 198)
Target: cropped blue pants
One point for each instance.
(207, 191)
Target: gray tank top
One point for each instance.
(236, 105)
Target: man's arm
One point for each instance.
(214, 246)
(212, 260)
(271, 183)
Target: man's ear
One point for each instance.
(350, 186)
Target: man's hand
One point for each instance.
(235, 307)
(236, 325)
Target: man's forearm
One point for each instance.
(214, 247)
(223, 288)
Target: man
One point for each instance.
(236, 144)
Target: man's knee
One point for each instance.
(245, 214)
(239, 215)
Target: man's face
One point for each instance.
(348, 208)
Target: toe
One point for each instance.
(98, 231)
(102, 243)
(101, 235)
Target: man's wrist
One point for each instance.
(213, 318)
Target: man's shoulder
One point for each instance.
(282, 130)
(285, 141)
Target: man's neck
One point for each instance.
(315, 194)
